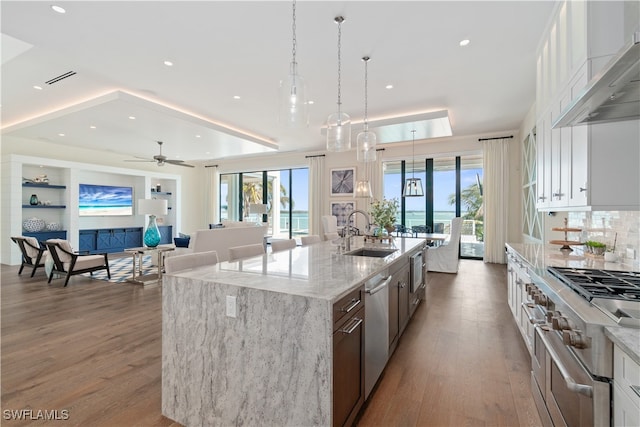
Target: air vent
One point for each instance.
(60, 77)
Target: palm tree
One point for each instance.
(472, 199)
(252, 193)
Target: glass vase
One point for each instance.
(152, 235)
(33, 201)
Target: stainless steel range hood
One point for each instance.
(612, 95)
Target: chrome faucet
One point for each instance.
(348, 233)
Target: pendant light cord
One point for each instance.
(413, 155)
(339, 20)
(293, 29)
(366, 81)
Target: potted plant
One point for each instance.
(383, 213)
(594, 247)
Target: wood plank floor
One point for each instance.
(94, 349)
(461, 360)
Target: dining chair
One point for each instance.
(188, 261)
(245, 251)
(70, 263)
(444, 258)
(308, 240)
(281, 245)
(329, 225)
(32, 253)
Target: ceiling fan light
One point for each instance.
(339, 132)
(413, 188)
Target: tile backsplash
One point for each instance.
(621, 228)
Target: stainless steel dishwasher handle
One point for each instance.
(572, 385)
(380, 287)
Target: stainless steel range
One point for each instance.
(572, 363)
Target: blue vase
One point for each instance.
(152, 235)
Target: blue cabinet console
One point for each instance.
(101, 240)
(46, 235)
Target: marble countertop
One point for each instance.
(628, 339)
(316, 270)
(539, 257)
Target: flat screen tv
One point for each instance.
(105, 200)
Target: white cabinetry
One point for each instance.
(626, 400)
(587, 167)
(518, 280)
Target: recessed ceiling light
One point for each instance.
(207, 152)
(388, 87)
(464, 42)
(168, 63)
(236, 96)
(37, 87)
(61, 134)
(310, 102)
(92, 127)
(197, 136)
(58, 9)
(132, 117)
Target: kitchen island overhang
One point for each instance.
(272, 363)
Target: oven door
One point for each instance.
(571, 396)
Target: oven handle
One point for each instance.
(532, 318)
(584, 389)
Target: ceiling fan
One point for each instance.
(161, 159)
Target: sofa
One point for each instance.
(221, 239)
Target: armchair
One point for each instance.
(70, 263)
(32, 253)
(444, 258)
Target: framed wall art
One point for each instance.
(343, 182)
(341, 211)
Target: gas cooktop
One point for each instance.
(594, 283)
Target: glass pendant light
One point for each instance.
(293, 108)
(413, 185)
(363, 186)
(366, 140)
(339, 123)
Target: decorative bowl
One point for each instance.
(53, 226)
(33, 225)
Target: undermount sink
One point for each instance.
(377, 253)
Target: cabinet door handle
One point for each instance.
(558, 195)
(582, 189)
(355, 322)
(402, 285)
(354, 302)
(542, 198)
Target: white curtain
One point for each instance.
(316, 194)
(212, 184)
(376, 178)
(496, 199)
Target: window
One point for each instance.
(285, 192)
(452, 187)
(532, 218)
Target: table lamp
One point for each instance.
(152, 207)
(259, 209)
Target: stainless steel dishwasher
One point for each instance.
(376, 329)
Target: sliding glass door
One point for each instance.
(284, 192)
(452, 188)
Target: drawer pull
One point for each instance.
(355, 322)
(353, 304)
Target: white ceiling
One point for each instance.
(226, 48)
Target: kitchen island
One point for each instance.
(250, 342)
